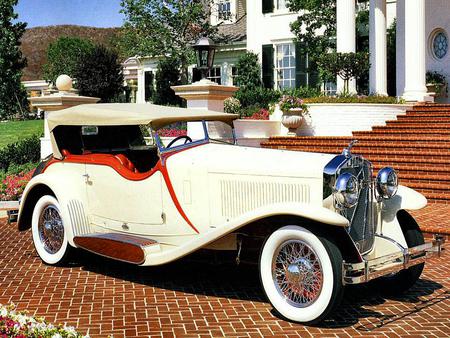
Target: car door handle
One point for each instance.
(86, 177)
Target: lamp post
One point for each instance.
(205, 50)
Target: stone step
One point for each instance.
(431, 107)
(412, 160)
(415, 126)
(391, 156)
(420, 119)
(445, 133)
(308, 145)
(426, 113)
(433, 196)
(436, 186)
(417, 169)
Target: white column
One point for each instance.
(140, 94)
(378, 47)
(400, 48)
(415, 53)
(346, 35)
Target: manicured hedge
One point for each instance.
(353, 99)
(20, 152)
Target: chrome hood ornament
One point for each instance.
(347, 152)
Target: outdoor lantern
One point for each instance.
(205, 49)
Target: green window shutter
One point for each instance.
(314, 80)
(301, 78)
(267, 6)
(148, 85)
(267, 66)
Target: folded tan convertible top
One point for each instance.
(111, 114)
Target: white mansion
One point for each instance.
(263, 27)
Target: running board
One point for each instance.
(122, 247)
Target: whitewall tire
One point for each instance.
(49, 234)
(301, 274)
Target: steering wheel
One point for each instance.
(187, 139)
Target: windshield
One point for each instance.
(220, 132)
(184, 133)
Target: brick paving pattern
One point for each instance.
(194, 299)
(434, 218)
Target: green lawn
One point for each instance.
(14, 131)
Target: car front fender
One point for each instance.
(308, 211)
(405, 199)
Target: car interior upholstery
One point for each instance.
(124, 145)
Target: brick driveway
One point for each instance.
(195, 299)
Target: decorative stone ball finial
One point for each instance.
(64, 82)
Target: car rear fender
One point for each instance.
(63, 189)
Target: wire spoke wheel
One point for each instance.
(297, 273)
(301, 274)
(51, 229)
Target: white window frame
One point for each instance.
(280, 68)
(215, 20)
(215, 77)
(280, 7)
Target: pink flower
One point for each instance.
(172, 132)
(14, 185)
(262, 114)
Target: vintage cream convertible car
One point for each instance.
(317, 221)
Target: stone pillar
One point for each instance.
(346, 35)
(65, 97)
(205, 94)
(378, 47)
(415, 52)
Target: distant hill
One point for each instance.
(36, 40)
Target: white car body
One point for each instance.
(201, 196)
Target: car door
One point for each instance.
(123, 204)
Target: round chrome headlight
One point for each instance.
(387, 183)
(346, 190)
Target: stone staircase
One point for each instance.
(417, 145)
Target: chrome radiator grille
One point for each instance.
(361, 216)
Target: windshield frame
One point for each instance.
(205, 140)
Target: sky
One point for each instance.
(96, 13)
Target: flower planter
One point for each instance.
(256, 129)
(438, 89)
(292, 120)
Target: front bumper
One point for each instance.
(356, 273)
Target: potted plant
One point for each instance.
(254, 122)
(294, 109)
(436, 83)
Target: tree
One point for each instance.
(13, 97)
(63, 56)
(344, 65)
(318, 16)
(248, 71)
(315, 16)
(167, 75)
(99, 74)
(158, 28)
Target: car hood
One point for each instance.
(229, 159)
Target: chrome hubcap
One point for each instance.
(51, 230)
(297, 273)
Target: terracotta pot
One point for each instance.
(292, 120)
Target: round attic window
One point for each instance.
(440, 44)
